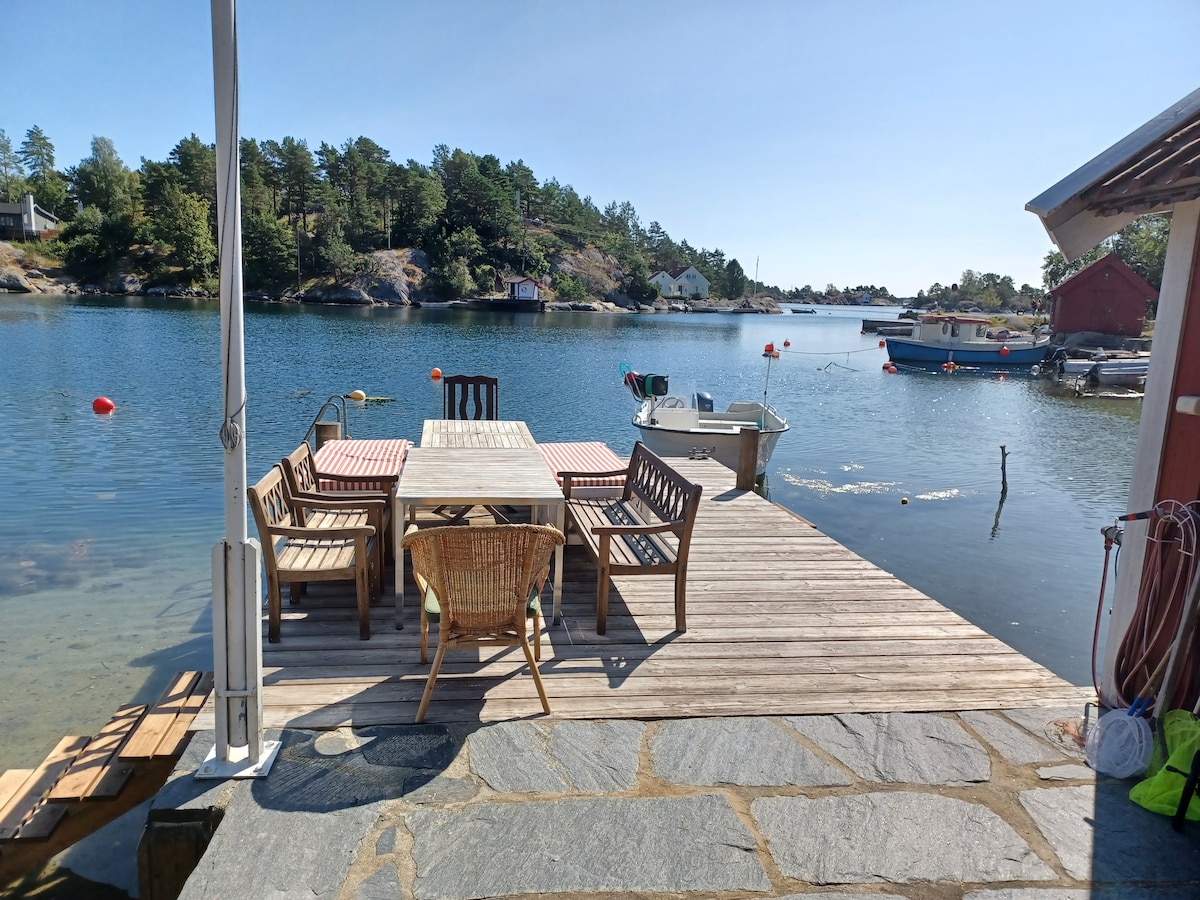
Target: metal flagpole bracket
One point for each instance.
(239, 765)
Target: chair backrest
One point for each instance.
(271, 503)
(482, 574)
(469, 397)
(301, 471)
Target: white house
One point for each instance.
(519, 288)
(682, 281)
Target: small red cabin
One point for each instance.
(1107, 297)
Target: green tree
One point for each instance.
(1142, 244)
(336, 256)
(48, 186)
(418, 202)
(297, 174)
(269, 253)
(569, 288)
(733, 285)
(182, 224)
(12, 181)
(257, 194)
(104, 181)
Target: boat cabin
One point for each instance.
(940, 328)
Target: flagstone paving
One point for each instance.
(970, 806)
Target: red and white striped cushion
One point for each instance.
(372, 464)
(584, 456)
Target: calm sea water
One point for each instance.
(108, 520)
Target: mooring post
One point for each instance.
(1003, 470)
(747, 469)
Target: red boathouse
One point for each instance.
(1107, 297)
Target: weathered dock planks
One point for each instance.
(782, 620)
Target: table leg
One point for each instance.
(560, 522)
(398, 514)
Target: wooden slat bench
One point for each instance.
(647, 530)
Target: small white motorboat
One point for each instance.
(671, 425)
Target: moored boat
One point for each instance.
(942, 337)
(673, 425)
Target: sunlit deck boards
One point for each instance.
(782, 620)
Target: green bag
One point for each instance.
(1163, 791)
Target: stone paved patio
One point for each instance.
(975, 805)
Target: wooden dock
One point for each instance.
(782, 620)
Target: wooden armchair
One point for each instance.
(304, 482)
(307, 540)
(481, 584)
(469, 397)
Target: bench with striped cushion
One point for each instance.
(645, 530)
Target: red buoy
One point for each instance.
(887, 365)
(102, 406)
(891, 370)
(770, 348)
(787, 343)
(883, 343)
(436, 373)
(1004, 351)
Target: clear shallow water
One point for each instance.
(108, 520)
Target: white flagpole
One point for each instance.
(239, 750)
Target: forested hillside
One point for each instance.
(314, 220)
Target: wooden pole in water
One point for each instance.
(747, 468)
(1003, 470)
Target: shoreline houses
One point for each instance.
(26, 221)
(1156, 169)
(681, 281)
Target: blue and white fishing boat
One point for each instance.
(946, 337)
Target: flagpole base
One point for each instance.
(212, 768)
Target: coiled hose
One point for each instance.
(1167, 575)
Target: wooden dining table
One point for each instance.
(508, 434)
(465, 467)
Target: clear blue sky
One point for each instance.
(888, 143)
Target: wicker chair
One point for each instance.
(481, 584)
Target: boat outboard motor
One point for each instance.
(704, 401)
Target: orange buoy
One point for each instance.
(436, 373)
(891, 370)
(102, 406)
(887, 365)
(787, 343)
(775, 354)
(1004, 350)
(883, 343)
(770, 348)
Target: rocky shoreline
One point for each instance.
(388, 278)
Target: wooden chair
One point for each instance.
(481, 585)
(307, 540)
(304, 482)
(469, 397)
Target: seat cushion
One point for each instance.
(433, 609)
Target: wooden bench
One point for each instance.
(305, 540)
(647, 530)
